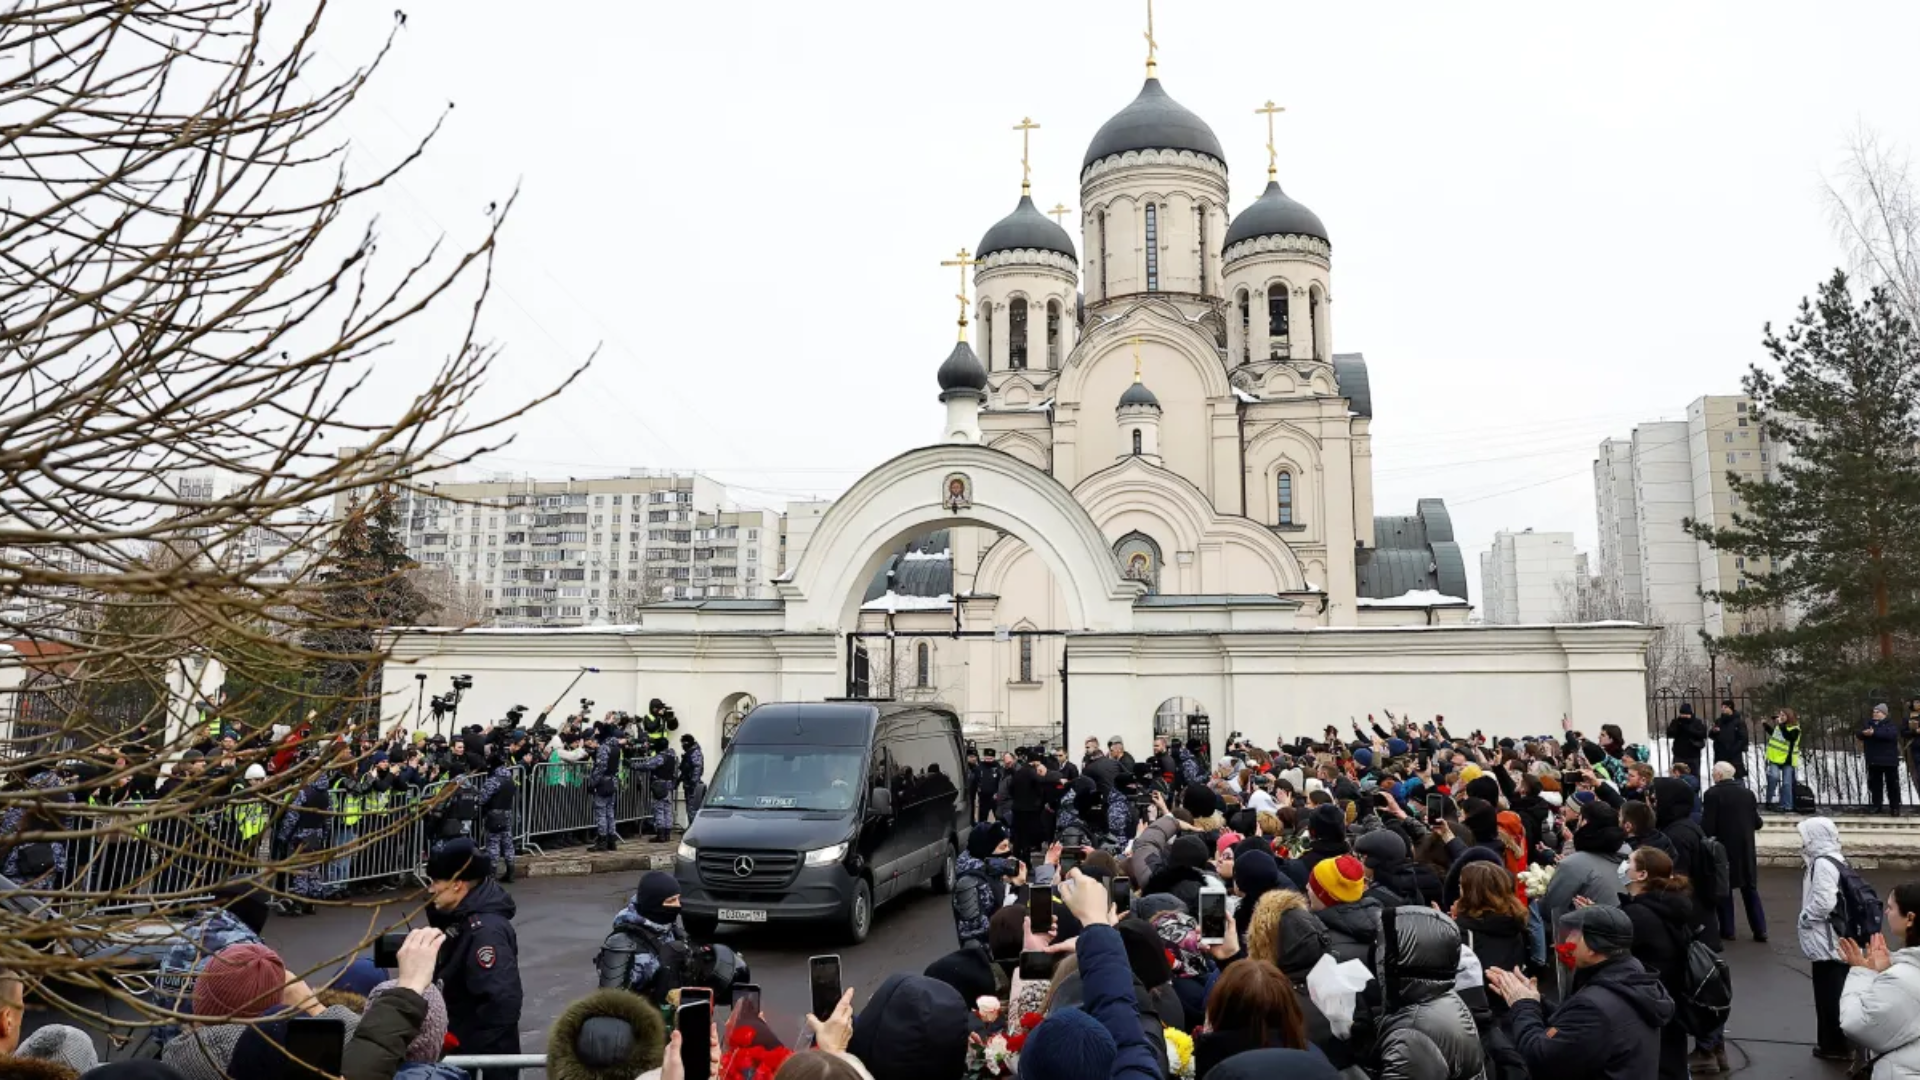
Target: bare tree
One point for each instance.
(454, 602)
(188, 283)
(1875, 212)
(1673, 660)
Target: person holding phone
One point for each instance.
(981, 876)
(479, 970)
(405, 1021)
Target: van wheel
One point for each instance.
(700, 927)
(943, 878)
(859, 916)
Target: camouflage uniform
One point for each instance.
(499, 837)
(15, 822)
(1191, 771)
(305, 829)
(1119, 811)
(693, 771)
(658, 769)
(606, 765)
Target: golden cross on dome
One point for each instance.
(1136, 359)
(1024, 127)
(1273, 156)
(1058, 210)
(962, 260)
(1151, 44)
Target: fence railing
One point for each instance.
(1832, 758)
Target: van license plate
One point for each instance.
(742, 915)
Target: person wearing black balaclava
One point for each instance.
(647, 950)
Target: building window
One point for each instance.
(1743, 421)
(1102, 214)
(1740, 407)
(1017, 334)
(1026, 657)
(1200, 230)
(1313, 322)
(1727, 438)
(1277, 320)
(1739, 562)
(1246, 327)
(986, 332)
(1730, 457)
(1153, 248)
(1053, 334)
(1283, 493)
(922, 665)
(1136, 442)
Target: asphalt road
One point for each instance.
(561, 922)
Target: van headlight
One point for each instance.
(686, 852)
(826, 856)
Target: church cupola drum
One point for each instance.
(1027, 280)
(1277, 258)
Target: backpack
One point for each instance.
(1856, 910)
(461, 811)
(1716, 853)
(1706, 990)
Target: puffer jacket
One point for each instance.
(1819, 888)
(1284, 933)
(1881, 1012)
(1353, 929)
(1422, 1013)
(1151, 851)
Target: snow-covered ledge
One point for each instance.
(1419, 607)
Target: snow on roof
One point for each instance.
(893, 602)
(1244, 396)
(1412, 599)
(614, 628)
(944, 555)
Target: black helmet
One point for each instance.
(718, 968)
(686, 742)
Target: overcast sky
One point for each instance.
(1548, 221)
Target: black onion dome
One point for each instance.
(1026, 228)
(1153, 122)
(1138, 394)
(1274, 213)
(962, 370)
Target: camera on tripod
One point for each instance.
(515, 714)
(586, 706)
(463, 682)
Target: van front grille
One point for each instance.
(747, 870)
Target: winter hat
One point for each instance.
(1484, 787)
(358, 977)
(255, 771)
(1482, 819)
(1584, 798)
(1327, 823)
(1469, 773)
(1381, 848)
(60, 1045)
(1189, 851)
(1146, 907)
(1228, 838)
(1069, 1045)
(1146, 954)
(1255, 872)
(240, 980)
(982, 841)
(1364, 756)
(912, 1027)
(1686, 708)
(1338, 881)
(431, 1040)
(650, 899)
(966, 970)
(1396, 747)
(1200, 801)
(1606, 929)
(607, 1035)
(459, 860)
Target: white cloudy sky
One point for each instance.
(1548, 220)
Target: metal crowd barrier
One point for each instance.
(182, 859)
(557, 801)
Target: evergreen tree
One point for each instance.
(1836, 525)
(363, 590)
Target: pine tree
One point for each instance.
(1835, 525)
(363, 590)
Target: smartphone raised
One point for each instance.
(1121, 894)
(1070, 859)
(746, 1000)
(1040, 908)
(318, 1042)
(1213, 916)
(1436, 807)
(823, 975)
(386, 950)
(694, 1022)
(1036, 964)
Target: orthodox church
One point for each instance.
(1174, 368)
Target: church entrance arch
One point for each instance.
(733, 710)
(947, 486)
(1185, 719)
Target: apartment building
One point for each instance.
(1529, 577)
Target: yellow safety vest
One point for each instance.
(1777, 751)
(349, 804)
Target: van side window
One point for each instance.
(923, 769)
(881, 771)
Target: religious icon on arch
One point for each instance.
(959, 492)
(1139, 567)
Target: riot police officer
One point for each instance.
(496, 798)
(479, 966)
(603, 783)
(693, 771)
(648, 950)
(659, 770)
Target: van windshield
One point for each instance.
(788, 778)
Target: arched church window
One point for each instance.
(1277, 316)
(1103, 254)
(1026, 657)
(922, 665)
(1313, 321)
(1136, 442)
(1200, 230)
(986, 334)
(1246, 327)
(1017, 334)
(1053, 334)
(1153, 248)
(1283, 496)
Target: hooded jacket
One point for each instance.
(1592, 871)
(1819, 888)
(1673, 813)
(1608, 1028)
(1395, 874)
(913, 1028)
(1660, 922)
(569, 1057)
(1284, 933)
(1880, 1010)
(1353, 929)
(1419, 956)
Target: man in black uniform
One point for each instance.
(479, 968)
(986, 786)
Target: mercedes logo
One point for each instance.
(743, 866)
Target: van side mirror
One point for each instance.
(880, 802)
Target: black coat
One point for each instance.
(1608, 1028)
(1673, 807)
(1499, 943)
(1731, 815)
(479, 971)
(1730, 742)
(1660, 944)
(1689, 735)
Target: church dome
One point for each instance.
(1153, 122)
(1138, 394)
(1026, 228)
(1274, 213)
(962, 371)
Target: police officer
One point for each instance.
(693, 771)
(304, 829)
(461, 813)
(986, 786)
(479, 967)
(660, 768)
(496, 796)
(648, 950)
(603, 783)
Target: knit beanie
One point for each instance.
(60, 1045)
(431, 1040)
(1338, 881)
(1189, 851)
(1482, 819)
(241, 981)
(1068, 1045)
(1364, 756)
(1255, 872)
(966, 970)
(1327, 823)
(1200, 801)
(1396, 747)
(1469, 772)
(1484, 787)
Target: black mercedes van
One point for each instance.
(820, 812)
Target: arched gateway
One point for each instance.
(948, 485)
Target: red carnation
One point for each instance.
(1015, 1042)
(741, 1037)
(1029, 1021)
